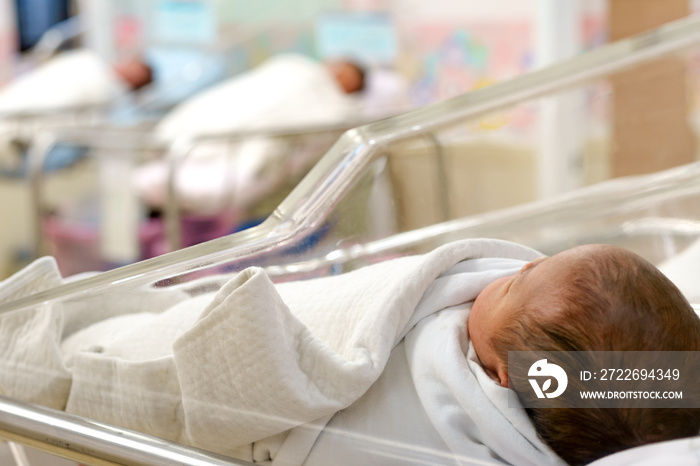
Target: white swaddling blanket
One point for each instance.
(287, 91)
(261, 358)
(74, 78)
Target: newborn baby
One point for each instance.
(589, 298)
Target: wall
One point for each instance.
(452, 47)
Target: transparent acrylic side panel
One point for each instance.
(112, 205)
(396, 187)
(655, 215)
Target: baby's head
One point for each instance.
(349, 75)
(589, 298)
(134, 72)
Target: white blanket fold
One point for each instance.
(467, 408)
(287, 376)
(256, 359)
(29, 351)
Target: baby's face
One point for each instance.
(500, 302)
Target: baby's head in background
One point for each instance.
(589, 298)
(135, 73)
(349, 74)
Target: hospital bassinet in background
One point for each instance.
(392, 188)
(99, 221)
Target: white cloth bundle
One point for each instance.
(72, 79)
(256, 359)
(287, 91)
(32, 365)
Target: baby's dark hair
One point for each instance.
(614, 301)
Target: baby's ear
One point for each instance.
(503, 378)
(492, 375)
(499, 376)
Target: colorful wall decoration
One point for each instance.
(445, 58)
(451, 59)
